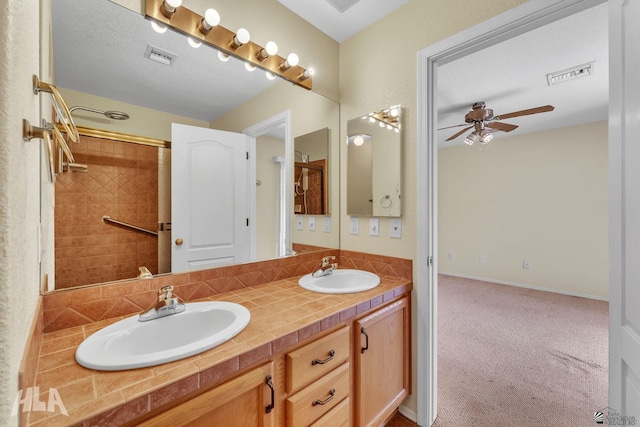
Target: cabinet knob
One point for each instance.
(179, 241)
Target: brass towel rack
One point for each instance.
(109, 220)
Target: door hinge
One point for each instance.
(247, 222)
(430, 261)
(247, 155)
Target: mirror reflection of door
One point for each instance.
(310, 173)
(209, 198)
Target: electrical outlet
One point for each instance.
(326, 224)
(526, 264)
(374, 226)
(311, 223)
(354, 225)
(483, 259)
(299, 225)
(395, 225)
(450, 256)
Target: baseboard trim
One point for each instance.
(521, 285)
(408, 413)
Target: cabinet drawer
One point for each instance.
(337, 417)
(315, 359)
(312, 402)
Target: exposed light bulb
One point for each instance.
(210, 20)
(249, 66)
(270, 75)
(293, 59)
(305, 75)
(358, 140)
(194, 43)
(169, 7)
(240, 38)
(223, 56)
(471, 138)
(485, 137)
(394, 112)
(158, 28)
(271, 48)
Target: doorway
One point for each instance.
(503, 27)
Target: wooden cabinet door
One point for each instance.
(241, 401)
(383, 362)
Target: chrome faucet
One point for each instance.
(326, 267)
(167, 305)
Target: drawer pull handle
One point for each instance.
(322, 362)
(332, 393)
(366, 345)
(269, 384)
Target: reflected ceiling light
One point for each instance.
(249, 66)
(223, 56)
(158, 28)
(194, 43)
(394, 112)
(372, 119)
(169, 7)
(270, 75)
(240, 38)
(381, 124)
(210, 20)
(269, 50)
(358, 140)
(291, 61)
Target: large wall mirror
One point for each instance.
(109, 60)
(374, 157)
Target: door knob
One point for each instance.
(179, 241)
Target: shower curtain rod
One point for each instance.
(120, 136)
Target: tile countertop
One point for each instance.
(282, 314)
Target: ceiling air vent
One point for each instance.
(159, 55)
(583, 70)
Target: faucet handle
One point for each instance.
(164, 293)
(326, 260)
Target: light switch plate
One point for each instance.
(312, 223)
(326, 224)
(354, 225)
(374, 226)
(395, 225)
(299, 225)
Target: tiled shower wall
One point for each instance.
(316, 193)
(121, 182)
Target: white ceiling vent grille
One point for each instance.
(583, 70)
(159, 55)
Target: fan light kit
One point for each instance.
(481, 118)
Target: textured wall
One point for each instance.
(19, 191)
(542, 197)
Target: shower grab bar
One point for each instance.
(107, 218)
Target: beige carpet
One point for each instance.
(509, 356)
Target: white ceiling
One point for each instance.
(99, 47)
(337, 24)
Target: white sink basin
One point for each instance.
(130, 344)
(341, 281)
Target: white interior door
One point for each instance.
(624, 218)
(209, 198)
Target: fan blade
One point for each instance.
(455, 126)
(458, 134)
(504, 127)
(536, 110)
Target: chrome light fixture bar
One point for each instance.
(226, 41)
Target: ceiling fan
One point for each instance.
(481, 118)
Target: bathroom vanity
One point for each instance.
(306, 358)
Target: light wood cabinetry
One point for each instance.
(382, 362)
(318, 382)
(242, 401)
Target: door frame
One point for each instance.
(281, 120)
(526, 17)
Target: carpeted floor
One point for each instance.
(509, 356)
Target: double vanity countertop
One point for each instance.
(282, 315)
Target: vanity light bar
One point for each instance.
(188, 23)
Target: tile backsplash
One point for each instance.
(73, 307)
